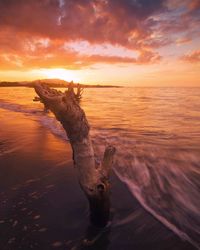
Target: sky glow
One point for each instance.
(137, 43)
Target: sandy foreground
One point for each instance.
(42, 206)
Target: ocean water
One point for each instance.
(157, 135)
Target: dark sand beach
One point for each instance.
(43, 207)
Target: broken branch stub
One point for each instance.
(93, 179)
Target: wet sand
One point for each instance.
(43, 207)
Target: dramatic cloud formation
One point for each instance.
(41, 33)
(24, 24)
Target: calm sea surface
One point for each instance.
(157, 135)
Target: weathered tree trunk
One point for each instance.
(79, 92)
(93, 177)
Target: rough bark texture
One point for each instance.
(93, 178)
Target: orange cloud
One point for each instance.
(193, 57)
(194, 5)
(183, 40)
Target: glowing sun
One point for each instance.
(63, 74)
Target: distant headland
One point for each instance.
(54, 83)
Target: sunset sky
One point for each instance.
(130, 42)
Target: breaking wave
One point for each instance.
(43, 118)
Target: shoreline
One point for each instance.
(54, 84)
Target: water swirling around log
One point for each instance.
(157, 135)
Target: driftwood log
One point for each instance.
(79, 92)
(93, 177)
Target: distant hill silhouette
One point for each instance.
(54, 83)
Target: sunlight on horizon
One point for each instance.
(59, 73)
